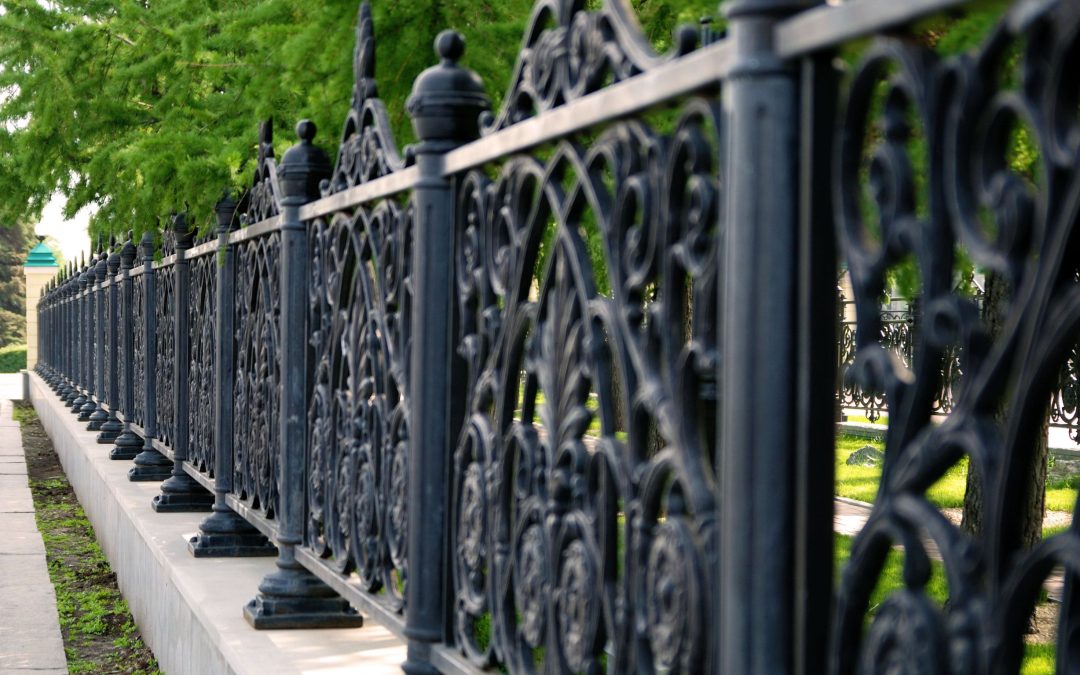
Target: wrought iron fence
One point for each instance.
(514, 392)
(898, 335)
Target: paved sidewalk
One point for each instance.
(30, 639)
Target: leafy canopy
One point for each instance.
(146, 108)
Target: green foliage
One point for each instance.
(147, 108)
(16, 240)
(12, 358)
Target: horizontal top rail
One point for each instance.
(695, 71)
(136, 271)
(167, 261)
(379, 188)
(258, 229)
(205, 248)
(829, 25)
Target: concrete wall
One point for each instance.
(190, 610)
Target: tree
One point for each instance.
(143, 108)
(15, 242)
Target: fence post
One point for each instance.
(98, 416)
(128, 443)
(757, 329)
(293, 597)
(445, 108)
(111, 427)
(150, 464)
(180, 492)
(224, 533)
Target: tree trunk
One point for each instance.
(1034, 508)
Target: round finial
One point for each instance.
(305, 130)
(450, 46)
(41, 238)
(446, 99)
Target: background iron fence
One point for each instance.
(899, 327)
(514, 391)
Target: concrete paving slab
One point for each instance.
(11, 523)
(19, 570)
(17, 501)
(11, 482)
(23, 544)
(30, 638)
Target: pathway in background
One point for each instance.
(30, 637)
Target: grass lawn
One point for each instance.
(1038, 658)
(861, 482)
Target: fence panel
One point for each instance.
(552, 390)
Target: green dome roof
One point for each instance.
(41, 256)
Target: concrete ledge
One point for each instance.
(190, 610)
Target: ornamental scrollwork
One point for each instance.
(965, 113)
(165, 358)
(570, 51)
(257, 411)
(367, 149)
(202, 316)
(123, 326)
(584, 484)
(360, 304)
(137, 325)
(263, 199)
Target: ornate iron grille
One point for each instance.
(256, 463)
(202, 315)
(553, 391)
(165, 361)
(359, 316)
(965, 109)
(123, 323)
(136, 325)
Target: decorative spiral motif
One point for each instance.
(256, 433)
(123, 328)
(673, 598)
(532, 588)
(995, 367)
(571, 52)
(577, 605)
(566, 379)
(905, 638)
(358, 309)
(137, 325)
(202, 317)
(165, 358)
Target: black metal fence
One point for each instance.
(553, 390)
(899, 327)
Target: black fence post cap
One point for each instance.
(447, 100)
(225, 212)
(303, 166)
